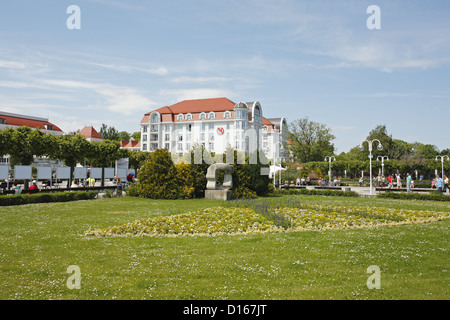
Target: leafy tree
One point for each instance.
(5, 141)
(138, 158)
(123, 135)
(104, 153)
(109, 133)
(311, 141)
(71, 149)
(136, 136)
(25, 143)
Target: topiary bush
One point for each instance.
(158, 177)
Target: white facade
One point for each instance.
(216, 124)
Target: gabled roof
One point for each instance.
(130, 144)
(90, 132)
(196, 106)
(13, 119)
(267, 122)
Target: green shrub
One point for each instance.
(313, 192)
(432, 196)
(158, 177)
(12, 200)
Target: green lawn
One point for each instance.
(39, 242)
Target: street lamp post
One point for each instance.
(382, 163)
(275, 162)
(442, 161)
(329, 166)
(379, 147)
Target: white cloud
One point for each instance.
(187, 79)
(200, 93)
(124, 100)
(11, 64)
(161, 71)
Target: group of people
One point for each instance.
(302, 181)
(441, 184)
(392, 180)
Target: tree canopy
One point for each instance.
(310, 140)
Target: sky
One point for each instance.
(316, 59)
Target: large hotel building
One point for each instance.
(216, 124)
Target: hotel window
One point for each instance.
(202, 116)
(167, 146)
(188, 146)
(227, 115)
(202, 136)
(153, 128)
(144, 147)
(155, 118)
(167, 137)
(188, 137)
(180, 137)
(189, 127)
(265, 136)
(144, 137)
(166, 127)
(237, 125)
(189, 116)
(211, 126)
(211, 115)
(203, 126)
(179, 147)
(180, 117)
(228, 126)
(144, 129)
(211, 146)
(211, 137)
(240, 114)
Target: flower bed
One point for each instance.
(203, 222)
(317, 217)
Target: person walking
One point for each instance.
(445, 183)
(408, 182)
(399, 181)
(439, 183)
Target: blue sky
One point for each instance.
(313, 59)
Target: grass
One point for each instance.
(39, 242)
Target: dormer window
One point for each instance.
(202, 116)
(189, 116)
(180, 117)
(211, 115)
(2, 121)
(154, 118)
(227, 115)
(48, 127)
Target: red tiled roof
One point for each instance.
(90, 132)
(267, 122)
(198, 105)
(18, 121)
(130, 144)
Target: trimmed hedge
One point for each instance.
(433, 196)
(13, 200)
(314, 192)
